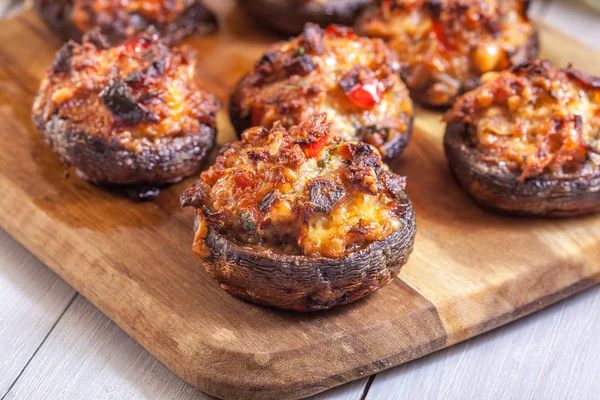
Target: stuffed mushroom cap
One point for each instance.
(327, 218)
(353, 80)
(527, 141)
(289, 16)
(122, 19)
(448, 44)
(127, 114)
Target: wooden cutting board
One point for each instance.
(471, 271)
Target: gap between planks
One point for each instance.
(40, 346)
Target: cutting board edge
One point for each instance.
(23, 238)
(229, 385)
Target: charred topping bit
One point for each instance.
(312, 39)
(269, 58)
(62, 61)
(535, 119)
(118, 99)
(395, 184)
(300, 65)
(192, 196)
(324, 193)
(354, 80)
(268, 201)
(138, 89)
(333, 203)
(448, 44)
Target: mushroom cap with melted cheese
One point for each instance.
(354, 80)
(527, 141)
(127, 114)
(295, 218)
(447, 45)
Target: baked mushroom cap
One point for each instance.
(297, 220)
(353, 80)
(122, 19)
(527, 141)
(289, 16)
(448, 44)
(128, 114)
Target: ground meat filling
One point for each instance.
(535, 119)
(297, 191)
(137, 91)
(354, 80)
(448, 44)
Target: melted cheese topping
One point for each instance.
(333, 232)
(275, 190)
(286, 96)
(448, 44)
(159, 83)
(536, 119)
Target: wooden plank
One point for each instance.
(103, 362)
(550, 355)
(32, 299)
(133, 260)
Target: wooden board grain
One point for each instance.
(471, 271)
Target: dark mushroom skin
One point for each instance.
(354, 80)
(295, 219)
(128, 114)
(119, 20)
(289, 16)
(527, 142)
(447, 45)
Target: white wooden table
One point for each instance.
(56, 345)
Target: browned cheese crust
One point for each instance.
(527, 141)
(122, 19)
(128, 114)
(354, 80)
(297, 219)
(289, 16)
(448, 44)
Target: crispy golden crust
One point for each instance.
(299, 191)
(119, 20)
(448, 44)
(289, 16)
(354, 80)
(528, 141)
(127, 114)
